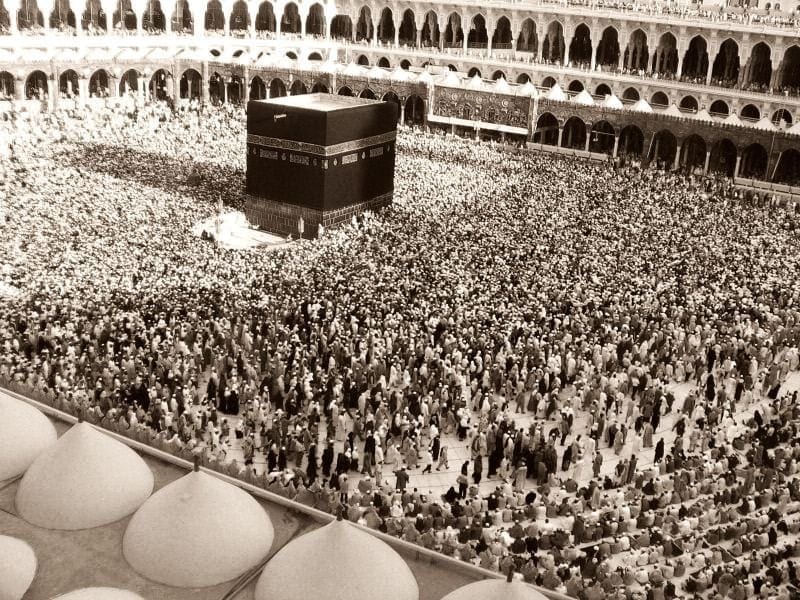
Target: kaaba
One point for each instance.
(321, 157)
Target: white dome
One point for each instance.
(197, 531)
(612, 101)
(86, 479)
(556, 93)
(18, 566)
(495, 589)
(340, 562)
(24, 434)
(99, 593)
(584, 98)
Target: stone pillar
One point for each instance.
(560, 135)
(708, 160)
(303, 18)
(616, 146)
(402, 113)
(738, 164)
(396, 37)
(466, 37)
(206, 95)
(773, 80)
(593, 64)
(375, 35)
(588, 137)
(83, 90)
(19, 89)
(677, 162)
(708, 72)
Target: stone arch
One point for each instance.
(502, 36)
(153, 18)
(452, 67)
(637, 54)
(99, 84)
(751, 112)
(498, 74)
(759, 68)
(161, 85)
(663, 148)
(290, 54)
(61, 16)
(319, 88)
(788, 168)
(258, 89)
(659, 99)
(384, 62)
(36, 85)
(298, 88)
(240, 17)
(342, 27)
(29, 15)
(580, 48)
(453, 33)
(546, 130)
(553, 46)
(363, 60)
(234, 89)
(602, 90)
(7, 85)
(575, 86)
(689, 103)
(631, 94)
(789, 73)
(430, 35)
(523, 78)
(5, 19)
(478, 37)
(473, 72)
(265, 17)
(367, 93)
(631, 141)
(315, 56)
(386, 26)
(407, 34)
(405, 64)
(290, 19)
(574, 134)
(392, 97)
(527, 40)
(695, 60)
(215, 17)
(414, 110)
(723, 157)
(277, 88)
(782, 117)
(68, 83)
(364, 28)
(129, 82)
(182, 20)
(548, 82)
(665, 58)
(345, 91)
(191, 84)
(719, 107)
(725, 70)
(93, 17)
(601, 139)
(124, 16)
(608, 48)
(754, 162)
(316, 23)
(693, 152)
(216, 88)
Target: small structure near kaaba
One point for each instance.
(321, 158)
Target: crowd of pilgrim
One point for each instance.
(613, 350)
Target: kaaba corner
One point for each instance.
(321, 157)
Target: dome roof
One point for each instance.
(86, 479)
(556, 93)
(612, 101)
(18, 566)
(99, 593)
(197, 531)
(24, 433)
(374, 570)
(496, 589)
(584, 98)
(641, 105)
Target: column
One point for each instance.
(488, 46)
(588, 138)
(466, 37)
(83, 90)
(621, 60)
(303, 18)
(738, 163)
(773, 80)
(375, 35)
(418, 36)
(402, 113)
(594, 58)
(677, 162)
(396, 37)
(708, 160)
(109, 22)
(224, 90)
(616, 146)
(560, 134)
(708, 71)
(19, 89)
(205, 83)
(679, 71)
